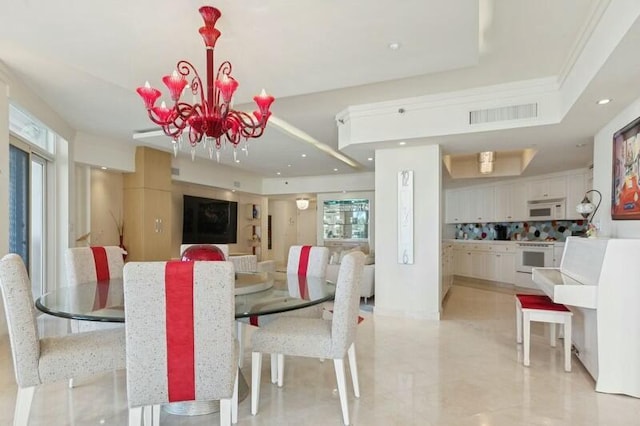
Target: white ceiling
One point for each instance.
(86, 58)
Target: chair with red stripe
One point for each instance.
(531, 307)
(40, 361)
(316, 337)
(90, 264)
(179, 321)
(303, 261)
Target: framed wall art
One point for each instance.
(625, 191)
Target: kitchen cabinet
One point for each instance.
(456, 207)
(461, 261)
(447, 269)
(547, 189)
(493, 262)
(510, 202)
(481, 202)
(346, 219)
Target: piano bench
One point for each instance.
(531, 307)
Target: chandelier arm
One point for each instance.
(185, 68)
(223, 69)
(245, 120)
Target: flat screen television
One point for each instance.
(209, 221)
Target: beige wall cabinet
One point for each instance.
(511, 202)
(453, 206)
(547, 189)
(447, 269)
(494, 262)
(148, 207)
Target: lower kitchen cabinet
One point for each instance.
(486, 261)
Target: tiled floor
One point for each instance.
(463, 370)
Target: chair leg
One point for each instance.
(518, 322)
(552, 334)
(527, 337)
(342, 388)
(280, 369)
(567, 344)
(155, 415)
(240, 336)
(135, 416)
(71, 383)
(225, 412)
(256, 367)
(353, 367)
(274, 368)
(23, 406)
(234, 401)
(147, 415)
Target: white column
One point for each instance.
(4, 182)
(408, 290)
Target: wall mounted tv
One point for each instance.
(209, 221)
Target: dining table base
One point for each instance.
(200, 408)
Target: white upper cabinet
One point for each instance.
(453, 209)
(547, 189)
(510, 202)
(481, 202)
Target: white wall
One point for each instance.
(602, 172)
(364, 181)
(284, 228)
(408, 290)
(306, 225)
(4, 183)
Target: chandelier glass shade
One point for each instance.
(210, 118)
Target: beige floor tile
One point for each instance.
(463, 370)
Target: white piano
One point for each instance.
(599, 280)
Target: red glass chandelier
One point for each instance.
(211, 120)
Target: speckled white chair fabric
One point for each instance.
(245, 263)
(303, 261)
(223, 247)
(179, 320)
(316, 337)
(90, 264)
(39, 361)
(310, 261)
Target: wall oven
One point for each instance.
(531, 255)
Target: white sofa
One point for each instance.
(367, 286)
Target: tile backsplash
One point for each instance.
(527, 231)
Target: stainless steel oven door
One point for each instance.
(533, 255)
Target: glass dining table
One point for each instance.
(256, 294)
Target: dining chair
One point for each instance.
(38, 361)
(316, 337)
(223, 247)
(90, 264)
(303, 261)
(180, 342)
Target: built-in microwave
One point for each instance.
(546, 209)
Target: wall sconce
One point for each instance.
(302, 203)
(586, 207)
(486, 159)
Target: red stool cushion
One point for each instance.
(202, 252)
(544, 303)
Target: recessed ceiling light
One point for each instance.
(580, 145)
(288, 165)
(394, 46)
(278, 173)
(603, 101)
(103, 168)
(304, 155)
(233, 190)
(370, 159)
(237, 161)
(403, 143)
(335, 170)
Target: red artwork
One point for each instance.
(625, 192)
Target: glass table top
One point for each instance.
(256, 294)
